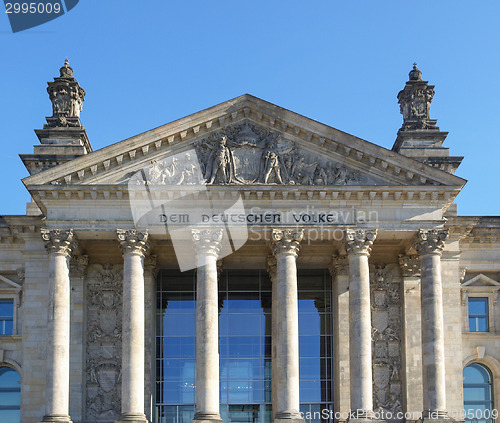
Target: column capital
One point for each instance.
(339, 266)
(431, 241)
(410, 265)
(359, 241)
(207, 242)
(132, 241)
(59, 241)
(286, 241)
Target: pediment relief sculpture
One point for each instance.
(248, 155)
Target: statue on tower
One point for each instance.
(67, 99)
(415, 102)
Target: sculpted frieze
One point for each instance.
(103, 347)
(247, 154)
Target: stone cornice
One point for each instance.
(359, 241)
(59, 241)
(207, 242)
(132, 241)
(321, 137)
(286, 241)
(440, 196)
(431, 241)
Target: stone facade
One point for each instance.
(81, 265)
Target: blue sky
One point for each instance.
(146, 63)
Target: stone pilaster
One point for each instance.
(358, 245)
(429, 245)
(271, 269)
(134, 245)
(207, 244)
(285, 330)
(59, 245)
(412, 334)
(150, 272)
(339, 269)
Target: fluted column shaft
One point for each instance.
(207, 244)
(59, 244)
(285, 330)
(358, 245)
(134, 245)
(430, 245)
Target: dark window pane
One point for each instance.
(478, 305)
(179, 325)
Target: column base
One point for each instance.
(132, 418)
(56, 418)
(361, 416)
(200, 417)
(288, 417)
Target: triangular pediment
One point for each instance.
(265, 145)
(481, 281)
(7, 284)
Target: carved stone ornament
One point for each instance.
(132, 241)
(339, 266)
(151, 264)
(359, 241)
(271, 268)
(59, 241)
(286, 241)
(386, 337)
(415, 102)
(410, 265)
(79, 264)
(103, 348)
(207, 241)
(249, 154)
(431, 241)
(67, 99)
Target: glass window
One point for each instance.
(478, 315)
(478, 400)
(6, 317)
(245, 324)
(10, 396)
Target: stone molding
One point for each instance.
(79, 264)
(59, 241)
(359, 241)
(431, 241)
(132, 241)
(339, 266)
(410, 265)
(207, 242)
(286, 241)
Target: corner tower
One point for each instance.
(419, 137)
(63, 137)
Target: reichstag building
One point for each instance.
(247, 264)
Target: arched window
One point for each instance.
(10, 396)
(478, 398)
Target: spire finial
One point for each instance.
(415, 74)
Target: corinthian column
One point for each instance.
(207, 243)
(134, 245)
(430, 245)
(285, 330)
(59, 244)
(358, 244)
